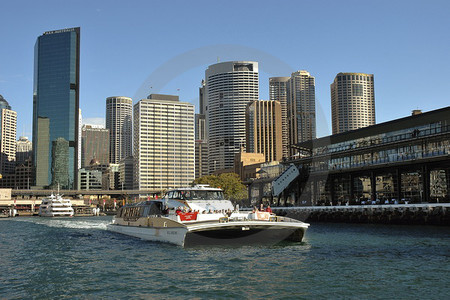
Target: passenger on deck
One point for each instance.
(261, 208)
(268, 209)
(165, 211)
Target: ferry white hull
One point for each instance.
(232, 233)
(56, 214)
(165, 235)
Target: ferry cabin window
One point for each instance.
(146, 210)
(203, 195)
(155, 209)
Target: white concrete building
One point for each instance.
(164, 154)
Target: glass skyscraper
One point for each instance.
(56, 107)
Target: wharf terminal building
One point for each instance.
(405, 161)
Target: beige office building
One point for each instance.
(352, 101)
(263, 125)
(24, 150)
(163, 143)
(301, 109)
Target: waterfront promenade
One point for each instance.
(414, 214)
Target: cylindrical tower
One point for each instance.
(352, 101)
(230, 87)
(119, 122)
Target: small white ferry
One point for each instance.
(201, 216)
(56, 206)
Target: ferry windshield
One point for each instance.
(196, 195)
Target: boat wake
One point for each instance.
(68, 223)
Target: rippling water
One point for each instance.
(78, 258)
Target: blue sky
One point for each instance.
(127, 47)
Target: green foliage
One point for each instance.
(230, 183)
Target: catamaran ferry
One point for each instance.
(200, 215)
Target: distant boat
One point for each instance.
(56, 206)
(201, 216)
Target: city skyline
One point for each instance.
(403, 53)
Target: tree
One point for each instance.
(230, 183)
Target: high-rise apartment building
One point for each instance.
(163, 143)
(56, 104)
(352, 101)
(301, 109)
(24, 150)
(229, 87)
(278, 87)
(119, 122)
(94, 145)
(263, 125)
(8, 127)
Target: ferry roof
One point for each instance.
(198, 187)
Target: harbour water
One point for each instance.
(77, 258)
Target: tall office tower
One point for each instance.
(201, 143)
(94, 145)
(24, 150)
(119, 122)
(56, 104)
(80, 125)
(163, 143)
(229, 88)
(301, 108)
(278, 87)
(263, 125)
(8, 127)
(352, 101)
(201, 147)
(202, 98)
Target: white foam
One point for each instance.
(69, 223)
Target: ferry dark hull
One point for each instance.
(239, 237)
